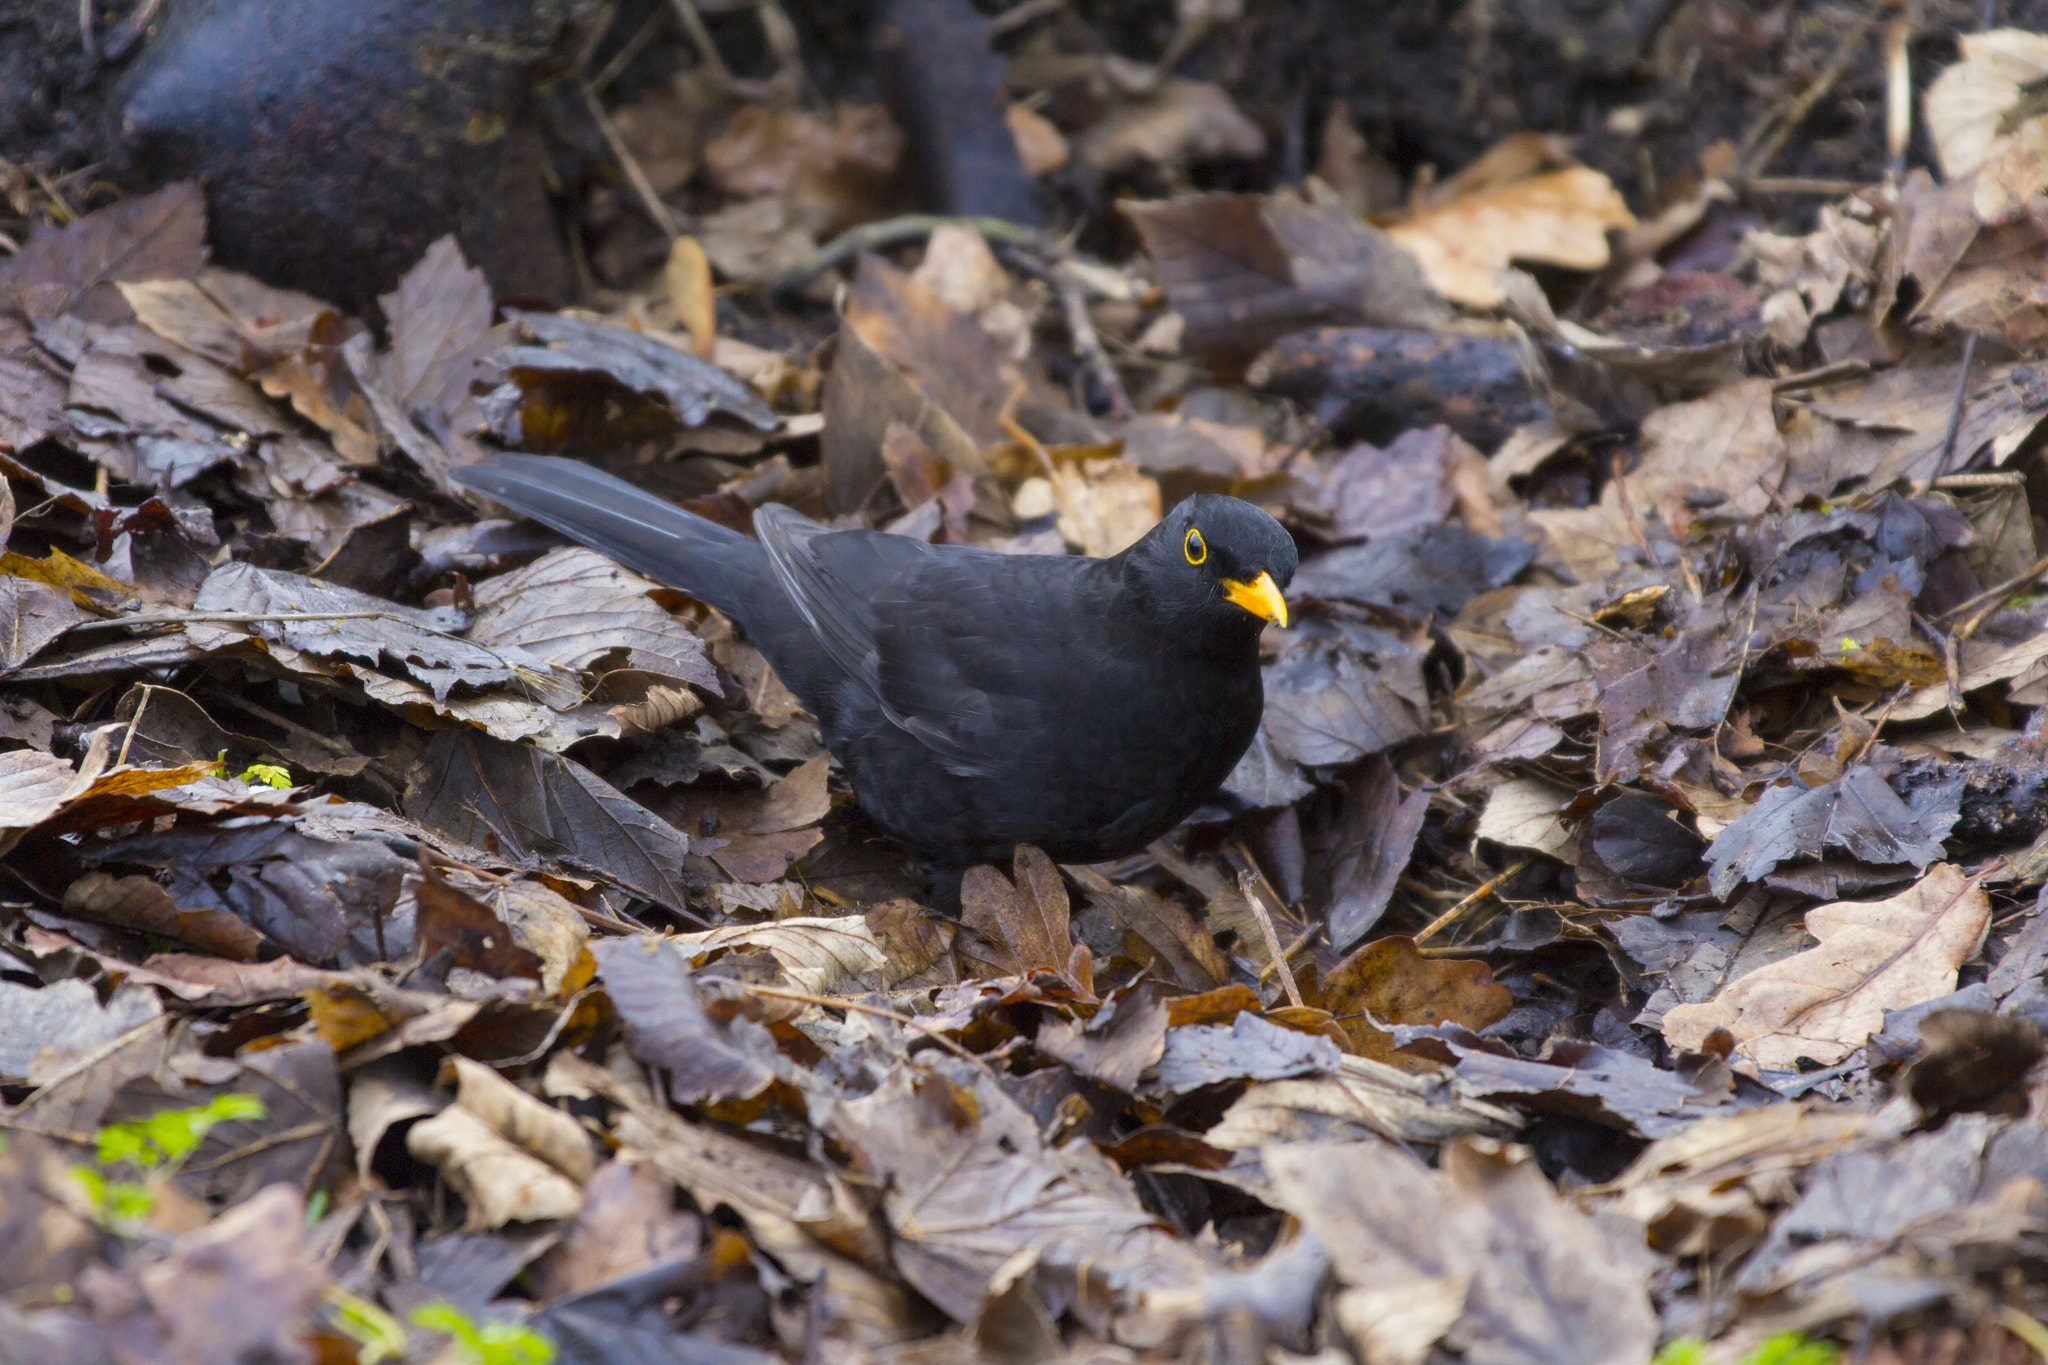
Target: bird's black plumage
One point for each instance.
(977, 700)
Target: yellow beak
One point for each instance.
(1261, 597)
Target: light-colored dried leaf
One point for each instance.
(500, 1183)
(1872, 956)
(1556, 218)
(816, 953)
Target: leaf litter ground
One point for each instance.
(1624, 927)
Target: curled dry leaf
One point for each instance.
(519, 1118)
(498, 1181)
(1388, 983)
(1872, 957)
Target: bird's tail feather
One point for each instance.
(641, 531)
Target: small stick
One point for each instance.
(1088, 343)
(1955, 413)
(1249, 886)
(1486, 889)
(1754, 156)
(1882, 716)
(2025, 576)
(630, 164)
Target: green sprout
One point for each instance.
(494, 1343)
(269, 774)
(1786, 1348)
(378, 1336)
(157, 1148)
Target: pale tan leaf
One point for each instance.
(500, 1183)
(1527, 813)
(522, 1120)
(1966, 104)
(687, 280)
(1557, 218)
(816, 953)
(1872, 956)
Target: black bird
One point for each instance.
(976, 700)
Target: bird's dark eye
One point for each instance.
(1195, 547)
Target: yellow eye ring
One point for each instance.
(1194, 547)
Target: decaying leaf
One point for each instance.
(1872, 957)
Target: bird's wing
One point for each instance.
(928, 632)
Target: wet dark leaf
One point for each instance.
(530, 804)
(159, 236)
(1858, 814)
(667, 1025)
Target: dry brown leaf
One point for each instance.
(1515, 1274)
(1361, 1099)
(1387, 982)
(1183, 121)
(1526, 812)
(1039, 144)
(1872, 956)
(1024, 922)
(1556, 218)
(1105, 505)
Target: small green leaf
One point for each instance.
(489, 1342)
(378, 1336)
(1794, 1348)
(1682, 1351)
(269, 774)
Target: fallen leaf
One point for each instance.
(1872, 957)
(1857, 813)
(1243, 271)
(816, 955)
(498, 1181)
(1390, 1223)
(488, 793)
(1555, 218)
(1022, 923)
(687, 280)
(1249, 1050)
(1126, 1036)
(72, 268)
(668, 1026)
(1387, 984)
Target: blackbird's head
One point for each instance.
(1217, 558)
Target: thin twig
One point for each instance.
(1876, 726)
(1486, 888)
(700, 38)
(1088, 343)
(1252, 881)
(1802, 184)
(630, 164)
(1955, 413)
(632, 48)
(2018, 580)
(1789, 116)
